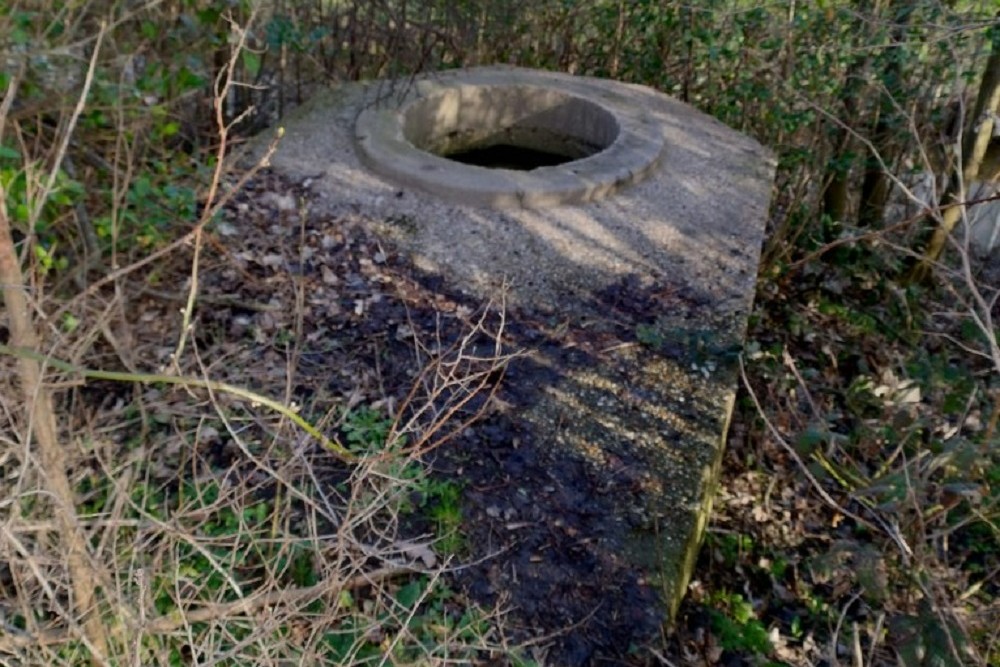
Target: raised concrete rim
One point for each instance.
(380, 137)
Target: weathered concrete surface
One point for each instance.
(658, 279)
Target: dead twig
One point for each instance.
(14, 641)
(452, 378)
(223, 82)
(24, 352)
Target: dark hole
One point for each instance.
(507, 156)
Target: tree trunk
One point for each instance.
(40, 409)
(975, 158)
(876, 186)
(836, 189)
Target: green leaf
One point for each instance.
(149, 30)
(251, 61)
(70, 323)
(209, 16)
(8, 153)
(186, 80)
(410, 594)
(170, 129)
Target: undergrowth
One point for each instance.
(860, 394)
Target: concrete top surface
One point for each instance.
(698, 215)
(679, 241)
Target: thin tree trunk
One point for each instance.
(42, 419)
(975, 144)
(836, 190)
(876, 185)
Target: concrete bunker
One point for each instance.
(508, 144)
(635, 303)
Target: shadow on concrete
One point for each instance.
(583, 487)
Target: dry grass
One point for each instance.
(286, 553)
(124, 543)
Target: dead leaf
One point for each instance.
(416, 551)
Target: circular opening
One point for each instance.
(546, 143)
(509, 127)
